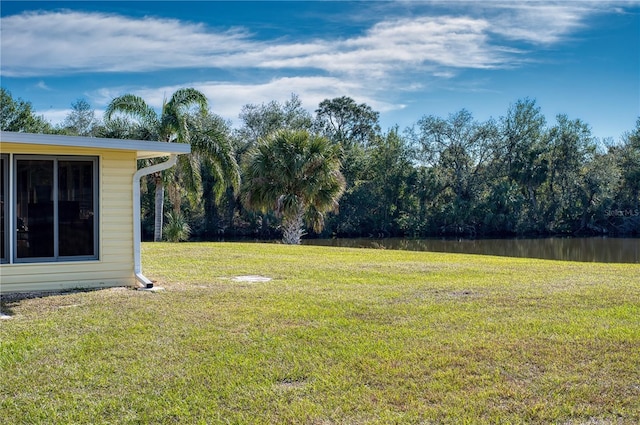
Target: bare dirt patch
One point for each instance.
(251, 279)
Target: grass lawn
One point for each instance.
(338, 336)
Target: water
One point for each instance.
(602, 250)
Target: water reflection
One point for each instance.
(603, 250)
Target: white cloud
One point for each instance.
(226, 98)
(55, 116)
(42, 85)
(540, 23)
(41, 43)
(395, 54)
(397, 44)
(67, 42)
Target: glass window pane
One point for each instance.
(76, 213)
(34, 208)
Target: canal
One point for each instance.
(604, 250)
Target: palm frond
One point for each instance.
(291, 173)
(134, 107)
(185, 98)
(211, 142)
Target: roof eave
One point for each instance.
(144, 149)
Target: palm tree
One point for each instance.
(176, 123)
(212, 169)
(296, 175)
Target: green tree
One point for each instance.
(571, 147)
(597, 188)
(259, 121)
(522, 157)
(122, 127)
(355, 127)
(176, 229)
(458, 151)
(18, 115)
(344, 121)
(215, 171)
(629, 161)
(81, 121)
(386, 193)
(627, 197)
(171, 125)
(296, 175)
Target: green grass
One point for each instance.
(339, 336)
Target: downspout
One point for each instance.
(137, 237)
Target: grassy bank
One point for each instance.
(341, 336)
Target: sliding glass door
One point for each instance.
(55, 208)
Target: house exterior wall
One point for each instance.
(115, 266)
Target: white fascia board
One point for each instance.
(144, 149)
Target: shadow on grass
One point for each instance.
(9, 301)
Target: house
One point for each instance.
(70, 210)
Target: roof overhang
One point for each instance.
(144, 149)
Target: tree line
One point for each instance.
(336, 173)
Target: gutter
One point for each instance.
(137, 237)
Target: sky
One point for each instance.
(405, 59)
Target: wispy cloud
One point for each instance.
(227, 98)
(405, 50)
(68, 42)
(541, 23)
(55, 116)
(42, 85)
(395, 44)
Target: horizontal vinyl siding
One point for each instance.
(117, 237)
(73, 274)
(115, 264)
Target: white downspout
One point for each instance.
(137, 237)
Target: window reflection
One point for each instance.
(34, 209)
(55, 208)
(75, 208)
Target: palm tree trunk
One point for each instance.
(159, 208)
(292, 229)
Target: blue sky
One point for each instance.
(406, 59)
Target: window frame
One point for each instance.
(13, 201)
(6, 244)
